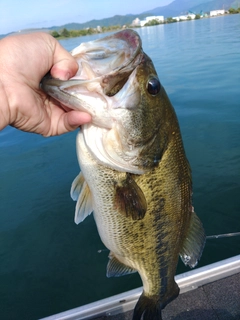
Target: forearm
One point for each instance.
(4, 108)
(5, 74)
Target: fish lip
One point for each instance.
(130, 36)
(109, 82)
(55, 87)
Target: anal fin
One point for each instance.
(194, 242)
(115, 268)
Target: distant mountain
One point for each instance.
(175, 8)
(113, 21)
(213, 5)
(178, 7)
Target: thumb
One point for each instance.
(64, 65)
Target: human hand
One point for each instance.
(25, 59)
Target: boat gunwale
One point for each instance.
(126, 301)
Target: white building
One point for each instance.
(216, 12)
(187, 17)
(136, 22)
(141, 23)
(158, 18)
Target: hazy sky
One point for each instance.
(16, 15)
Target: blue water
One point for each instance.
(47, 263)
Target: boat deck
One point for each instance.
(207, 293)
(219, 300)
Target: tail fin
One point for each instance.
(147, 308)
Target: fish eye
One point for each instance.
(153, 86)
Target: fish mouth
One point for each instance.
(104, 68)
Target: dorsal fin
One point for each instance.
(194, 242)
(81, 192)
(115, 268)
(129, 198)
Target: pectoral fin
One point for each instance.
(194, 242)
(129, 198)
(80, 192)
(115, 268)
(76, 187)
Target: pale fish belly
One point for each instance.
(114, 229)
(100, 180)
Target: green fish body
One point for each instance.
(135, 176)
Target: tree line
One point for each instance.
(232, 10)
(65, 33)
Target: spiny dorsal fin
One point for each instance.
(194, 242)
(129, 198)
(115, 268)
(81, 192)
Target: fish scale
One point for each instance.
(135, 176)
(119, 235)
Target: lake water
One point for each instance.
(48, 264)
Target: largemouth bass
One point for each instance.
(134, 177)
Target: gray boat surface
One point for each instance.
(211, 292)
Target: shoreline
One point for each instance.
(75, 33)
(118, 28)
